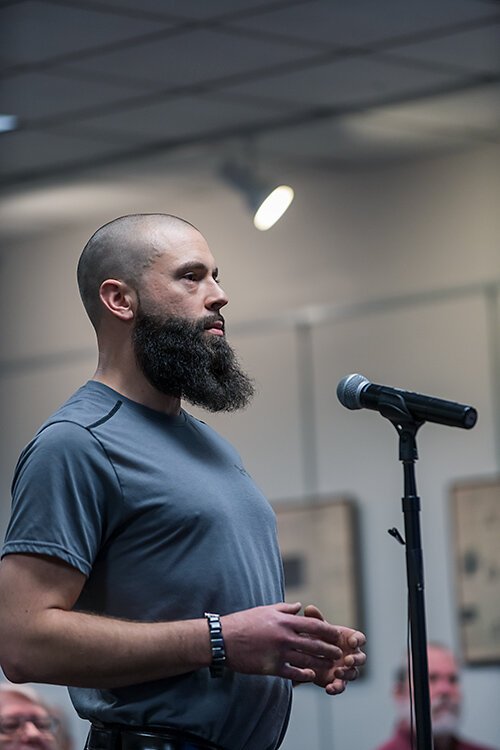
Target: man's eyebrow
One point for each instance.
(192, 265)
(196, 265)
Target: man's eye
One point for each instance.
(189, 276)
(10, 726)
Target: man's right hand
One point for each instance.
(276, 640)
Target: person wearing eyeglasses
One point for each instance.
(25, 723)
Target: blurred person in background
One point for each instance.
(445, 699)
(26, 723)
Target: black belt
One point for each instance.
(117, 737)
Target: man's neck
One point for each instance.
(138, 389)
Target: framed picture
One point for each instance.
(319, 546)
(476, 526)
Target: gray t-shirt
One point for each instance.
(160, 515)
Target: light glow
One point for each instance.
(7, 122)
(273, 207)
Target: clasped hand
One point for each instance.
(277, 640)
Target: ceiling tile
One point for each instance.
(36, 31)
(179, 118)
(346, 83)
(476, 50)
(193, 57)
(31, 151)
(37, 95)
(195, 9)
(351, 23)
(356, 139)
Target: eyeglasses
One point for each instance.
(13, 724)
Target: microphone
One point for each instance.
(356, 392)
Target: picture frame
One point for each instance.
(475, 510)
(319, 544)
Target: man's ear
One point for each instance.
(119, 298)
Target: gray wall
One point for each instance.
(392, 272)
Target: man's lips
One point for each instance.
(215, 326)
(445, 707)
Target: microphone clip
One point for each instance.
(393, 407)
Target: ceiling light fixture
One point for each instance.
(268, 201)
(7, 123)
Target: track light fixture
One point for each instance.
(268, 201)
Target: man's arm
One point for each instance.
(43, 640)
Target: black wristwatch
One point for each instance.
(216, 644)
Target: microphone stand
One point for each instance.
(393, 407)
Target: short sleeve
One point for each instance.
(65, 497)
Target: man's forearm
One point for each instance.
(86, 650)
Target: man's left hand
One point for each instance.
(335, 676)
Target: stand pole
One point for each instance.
(394, 409)
(415, 578)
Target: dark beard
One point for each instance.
(178, 357)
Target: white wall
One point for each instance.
(350, 238)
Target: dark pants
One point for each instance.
(113, 737)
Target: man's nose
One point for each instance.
(30, 730)
(444, 686)
(217, 297)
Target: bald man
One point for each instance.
(446, 704)
(141, 564)
(25, 721)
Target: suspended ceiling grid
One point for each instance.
(97, 82)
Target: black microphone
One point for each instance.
(356, 392)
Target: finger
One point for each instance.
(355, 660)
(336, 687)
(312, 611)
(317, 648)
(309, 661)
(355, 639)
(296, 674)
(347, 675)
(319, 629)
(290, 609)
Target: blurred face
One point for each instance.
(24, 725)
(444, 691)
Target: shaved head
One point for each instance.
(123, 249)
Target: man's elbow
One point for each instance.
(16, 670)
(15, 659)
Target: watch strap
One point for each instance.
(216, 644)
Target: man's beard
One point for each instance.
(445, 716)
(180, 358)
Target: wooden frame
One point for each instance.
(320, 550)
(476, 524)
